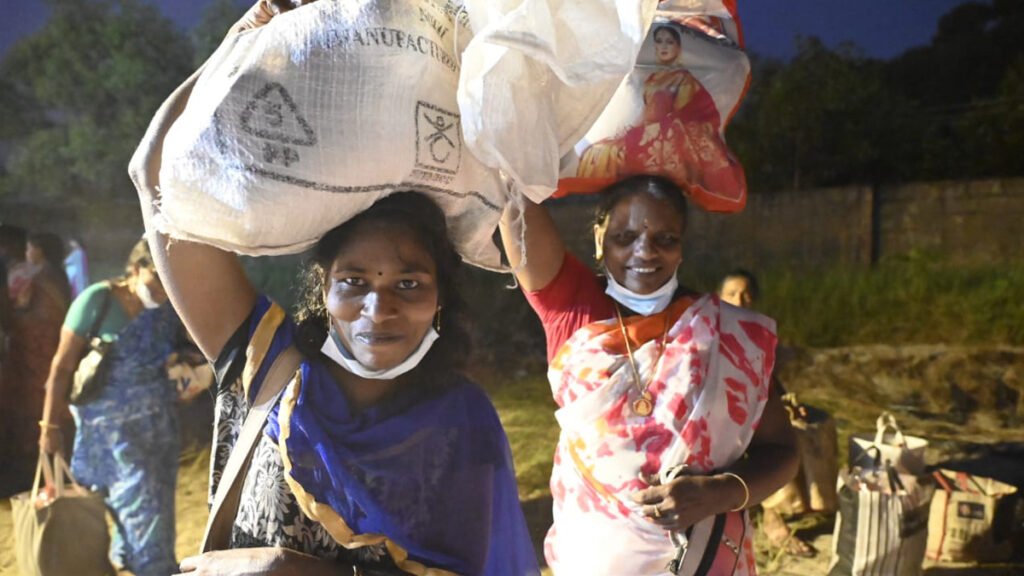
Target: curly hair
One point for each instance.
(426, 221)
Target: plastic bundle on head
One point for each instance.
(298, 125)
(668, 117)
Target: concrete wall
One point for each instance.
(976, 221)
(970, 221)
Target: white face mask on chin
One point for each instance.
(145, 296)
(335, 350)
(644, 304)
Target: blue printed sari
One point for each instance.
(422, 483)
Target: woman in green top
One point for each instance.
(127, 439)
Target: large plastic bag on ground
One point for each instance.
(668, 117)
(296, 126)
(538, 73)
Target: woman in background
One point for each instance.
(740, 288)
(38, 311)
(126, 443)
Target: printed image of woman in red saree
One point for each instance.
(678, 136)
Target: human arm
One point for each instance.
(210, 309)
(771, 461)
(261, 562)
(58, 383)
(544, 247)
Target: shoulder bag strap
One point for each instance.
(225, 502)
(104, 307)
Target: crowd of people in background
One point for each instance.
(37, 294)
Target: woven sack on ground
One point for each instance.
(970, 519)
(814, 487)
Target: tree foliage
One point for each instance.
(217, 18)
(951, 109)
(90, 80)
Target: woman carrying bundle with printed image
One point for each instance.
(670, 429)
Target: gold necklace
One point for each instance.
(644, 404)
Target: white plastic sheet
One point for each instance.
(538, 73)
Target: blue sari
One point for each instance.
(427, 473)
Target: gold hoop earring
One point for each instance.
(437, 320)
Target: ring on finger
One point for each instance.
(657, 512)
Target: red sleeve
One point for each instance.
(573, 299)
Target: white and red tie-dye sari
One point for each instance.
(709, 389)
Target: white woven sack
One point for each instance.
(538, 73)
(297, 126)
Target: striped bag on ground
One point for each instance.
(882, 525)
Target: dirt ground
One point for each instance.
(191, 517)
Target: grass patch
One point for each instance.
(916, 299)
(920, 298)
(527, 412)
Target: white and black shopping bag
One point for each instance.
(882, 525)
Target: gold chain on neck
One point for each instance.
(644, 404)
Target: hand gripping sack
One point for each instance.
(65, 536)
(294, 127)
(888, 446)
(668, 117)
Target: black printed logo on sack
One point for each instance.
(273, 116)
(438, 139)
(971, 510)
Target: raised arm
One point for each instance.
(544, 247)
(207, 285)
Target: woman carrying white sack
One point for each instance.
(379, 457)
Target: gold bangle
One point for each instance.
(47, 426)
(746, 491)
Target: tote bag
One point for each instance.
(964, 522)
(63, 536)
(882, 525)
(894, 448)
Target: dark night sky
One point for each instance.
(883, 28)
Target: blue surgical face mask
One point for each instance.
(335, 349)
(645, 304)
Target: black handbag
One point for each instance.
(90, 375)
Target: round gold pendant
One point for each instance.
(644, 405)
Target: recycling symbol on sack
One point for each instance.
(438, 138)
(272, 115)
